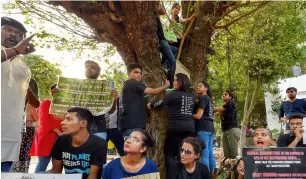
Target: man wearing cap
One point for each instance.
(15, 76)
(291, 107)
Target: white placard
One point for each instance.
(304, 135)
(39, 176)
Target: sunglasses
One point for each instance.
(133, 139)
(187, 152)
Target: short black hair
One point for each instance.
(297, 116)
(93, 62)
(147, 140)
(183, 82)
(53, 86)
(175, 5)
(132, 66)
(291, 88)
(82, 114)
(14, 23)
(197, 144)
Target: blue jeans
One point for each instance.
(208, 157)
(116, 137)
(6, 166)
(102, 135)
(127, 132)
(42, 164)
(169, 52)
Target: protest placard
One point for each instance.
(94, 95)
(274, 163)
(146, 176)
(39, 176)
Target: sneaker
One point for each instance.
(166, 69)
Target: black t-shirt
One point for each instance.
(286, 139)
(229, 116)
(180, 105)
(79, 159)
(160, 31)
(132, 103)
(178, 171)
(206, 122)
(99, 124)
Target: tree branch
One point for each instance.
(242, 16)
(231, 9)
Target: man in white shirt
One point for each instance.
(15, 76)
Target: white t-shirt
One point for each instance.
(15, 76)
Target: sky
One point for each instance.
(71, 65)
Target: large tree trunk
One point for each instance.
(196, 46)
(136, 41)
(132, 28)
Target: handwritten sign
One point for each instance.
(94, 95)
(274, 163)
(39, 176)
(146, 176)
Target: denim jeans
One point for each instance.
(102, 135)
(6, 166)
(169, 52)
(208, 157)
(42, 164)
(127, 132)
(116, 137)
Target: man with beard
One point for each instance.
(92, 71)
(291, 107)
(15, 76)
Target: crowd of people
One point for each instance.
(77, 142)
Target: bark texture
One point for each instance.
(131, 27)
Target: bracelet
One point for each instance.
(16, 51)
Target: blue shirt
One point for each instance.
(115, 170)
(289, 108)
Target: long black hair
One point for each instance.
(208, 92)
(183, 82)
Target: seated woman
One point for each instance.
(189, 167)
(262, 139)
(135, 162)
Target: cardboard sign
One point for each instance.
(39, 176)
(146, 176)
(94, 95)
(274, 163)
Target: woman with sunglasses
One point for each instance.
(135, 162)
(189, 167)
(180, 104)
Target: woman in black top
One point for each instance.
(180, 104)
(229, 123)
(189, 167)
(204, 117)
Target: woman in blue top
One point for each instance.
(204, 117)
(135, 162)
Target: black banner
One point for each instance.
(274, 163)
